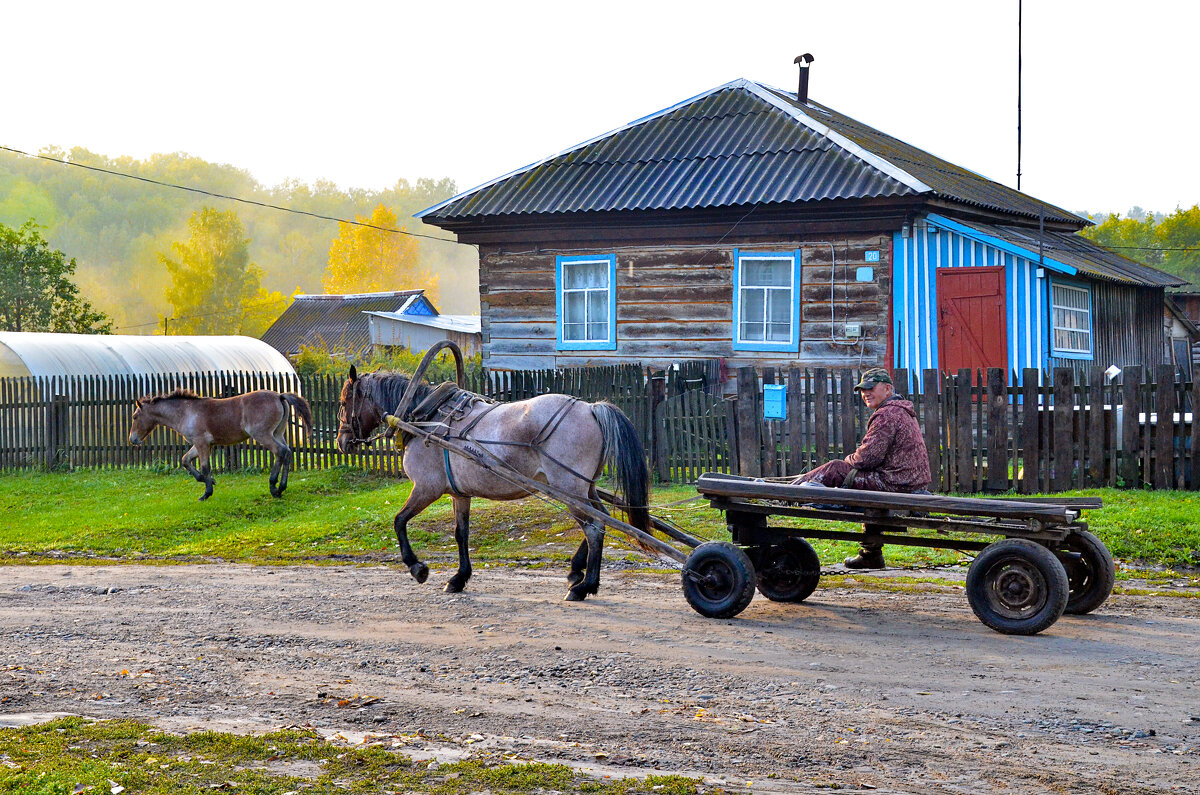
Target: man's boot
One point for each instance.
(870, 556)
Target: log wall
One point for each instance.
(675, 302)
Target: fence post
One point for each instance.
(749, 427)
(997, 430)
(1164, 427)
(1031, 435)
(931, 410)
(820, 393)
(56, 436)
(795, 420)
(1194, 480)
(1131, 426)
(770, 456)
(1096, 442)
(965, 438)
(1063, 451)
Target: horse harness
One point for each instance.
(447, 404)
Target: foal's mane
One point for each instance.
(177, 393)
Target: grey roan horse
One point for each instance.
(205, 422)
(555, 439)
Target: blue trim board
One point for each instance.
(609, 344)
(792, 345)
(1002, 245)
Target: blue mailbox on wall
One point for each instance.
(774, 401)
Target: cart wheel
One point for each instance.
(1017, 587)
(788, 572)
(718, 580)
(1090, 571)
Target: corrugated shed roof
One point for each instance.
(467, 324)
(45, 354)
(1076, 251)
(738, 144)
(331, 322)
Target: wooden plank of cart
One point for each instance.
(1045, 564)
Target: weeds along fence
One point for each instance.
(985, 431)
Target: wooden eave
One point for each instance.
(796, 220)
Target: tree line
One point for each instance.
(1169, 242)
(145, 255)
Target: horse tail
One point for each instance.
(624, 453)
(303, 410)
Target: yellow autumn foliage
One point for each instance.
(367, 259)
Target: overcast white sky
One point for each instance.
(364, 93)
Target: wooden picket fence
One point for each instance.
(985, 431)
(85, 421)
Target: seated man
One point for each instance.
(891, 456)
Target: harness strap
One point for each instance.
(454, 492)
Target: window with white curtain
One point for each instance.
(1071, 308)
(766, 288)
(586, 302)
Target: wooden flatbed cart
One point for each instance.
(1047, 562)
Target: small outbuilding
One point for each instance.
(351, 324)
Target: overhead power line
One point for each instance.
(226, 196)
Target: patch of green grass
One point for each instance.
(73, 755)
(345, 514)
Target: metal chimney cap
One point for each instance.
(807, 58)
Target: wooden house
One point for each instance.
(756, 226)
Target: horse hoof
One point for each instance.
(419, 571)
(204, 497)
(576, 595)
(453, 587)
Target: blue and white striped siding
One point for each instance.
(914, 312)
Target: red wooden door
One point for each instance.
(972, 324)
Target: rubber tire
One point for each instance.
(1090, 572)
(1032, 574)
(718, 580)
(788, 572)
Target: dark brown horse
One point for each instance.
(208, 422)
(555, 439)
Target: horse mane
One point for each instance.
(178, 392)
(386, 389)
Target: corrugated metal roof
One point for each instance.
(467, 324)
(331, 322)
(46, 354)
(727, 147)
(738, 144)
(1076, 251)
(945, 178)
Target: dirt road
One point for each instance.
(900, 692)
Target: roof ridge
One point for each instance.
(766, 93)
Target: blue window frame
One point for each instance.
(1070, 320)
(586, 300)
(766, 300)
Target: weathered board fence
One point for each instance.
(988, 432)
(84, 421)
(984, 430)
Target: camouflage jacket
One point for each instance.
(893, 447)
